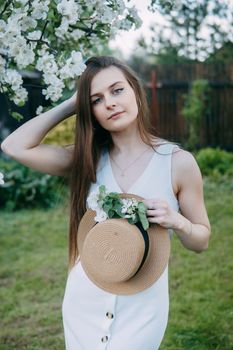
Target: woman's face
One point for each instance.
(113, 100)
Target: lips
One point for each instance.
(115, 114)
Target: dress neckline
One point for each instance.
(129, 190)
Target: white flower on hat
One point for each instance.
(108, 205)
(92, 200)
(2, 179)
(100, 215)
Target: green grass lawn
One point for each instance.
(33, 270)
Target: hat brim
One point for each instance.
(153, 267)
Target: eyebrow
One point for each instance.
(99, 93)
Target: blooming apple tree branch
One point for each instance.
(52, 37)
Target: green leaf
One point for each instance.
(142, 207)
(114, 195)
(102, 190)
(118, 208)
(21, 104)
(17, 116)
(133, 221)
(144, 221)
(111, 214)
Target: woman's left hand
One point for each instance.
(160, 213)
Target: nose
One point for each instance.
(110, 101)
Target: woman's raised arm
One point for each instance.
(24, 146)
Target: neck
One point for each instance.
(127, 142)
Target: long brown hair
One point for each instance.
(91, 138)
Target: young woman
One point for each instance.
(115, 145)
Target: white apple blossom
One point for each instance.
(13, 24)
(137, 20)
(15, 81)
(51, 79)
(3, 27)
(121, 7)
(22, 52)
(47, 63)
(74, 66)
(2, 179)
(22, 2)
(39, 110)
(76, 34)
(40, 9)
(66, 72)
(106, 15)
(71, 84)
(13, 78)
(20, 96)
(16, 46)
(2, 65)
(124, 24)
(62, 30)
(43, 50)
(54, 89)
(27, 23)
(69, 9)
(19, 9)
(35, 35)
(50, 35)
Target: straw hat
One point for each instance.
(119, 257)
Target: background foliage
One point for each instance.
(215, 163)
(62, 134)
(182, 37)
(27, 189)
(196, 107)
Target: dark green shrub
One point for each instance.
(215, 162)
(26, 188)
(196, 107)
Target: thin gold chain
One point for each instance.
(123, 170)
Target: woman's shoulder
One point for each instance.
(179, 154)
(182, 158)
(185, 169)
(164, 146)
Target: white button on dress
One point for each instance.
(97, 320)
(109, 315)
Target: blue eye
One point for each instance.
(96, 101)
(118, 91)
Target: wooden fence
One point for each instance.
(166, 88)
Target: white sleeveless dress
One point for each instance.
(97, 320)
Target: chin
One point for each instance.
(121, 126)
